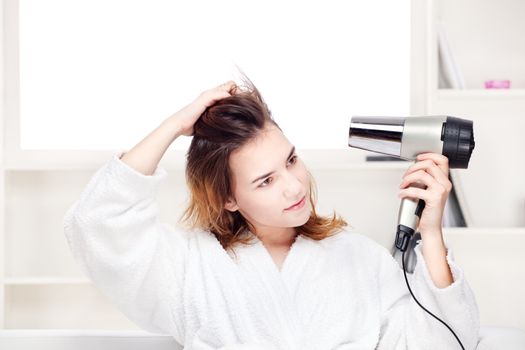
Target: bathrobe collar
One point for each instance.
(280, 285)
(273, 289)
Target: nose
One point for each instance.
(293, 187)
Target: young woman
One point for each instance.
(256, 267)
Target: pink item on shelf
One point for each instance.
(497, 84)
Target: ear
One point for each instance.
(231, 205)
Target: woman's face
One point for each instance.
(268, 178)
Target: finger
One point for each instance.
(441, 162)
(420, 176)
(440, 177)
(430, 167)
(209, 97)
(418, 165)
(416, 193)
(439, 159)
(226, 83)
(227, 86)
(216, 96)
(220, 95)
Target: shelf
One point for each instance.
(61, 307)
(479, 103)
(486, 231)
(481, 93)
(174, 160)
(48, 333)
(479, 233)
(19, 281)
(75, 160)
(383, 165)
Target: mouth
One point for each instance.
(297, 205)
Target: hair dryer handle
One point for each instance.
(410, 212)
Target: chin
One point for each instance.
(304, 219)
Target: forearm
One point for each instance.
(146, 155)
(435, 254)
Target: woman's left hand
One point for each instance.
(432, 170)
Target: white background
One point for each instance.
(102, 74)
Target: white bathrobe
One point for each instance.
(344, 292)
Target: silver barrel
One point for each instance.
(377, 134)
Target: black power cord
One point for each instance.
(408, 285)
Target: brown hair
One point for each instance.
(224, 127)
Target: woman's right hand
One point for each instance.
(187, 116)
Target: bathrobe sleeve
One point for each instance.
(137, 262)
(405, 325)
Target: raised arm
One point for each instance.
(116, 238)
(146, 155)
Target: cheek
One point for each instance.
(261, 203)
(268, 201)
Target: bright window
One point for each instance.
(102, 74)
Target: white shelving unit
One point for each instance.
(41, 286)
(485, 38)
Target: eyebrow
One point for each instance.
(271, 172)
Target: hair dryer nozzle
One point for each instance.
(377, 134)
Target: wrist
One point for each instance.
(432, 238)
(434, 252)
(433, 242)
(173, 125)
(432, 233)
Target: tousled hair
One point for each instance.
(222, 128)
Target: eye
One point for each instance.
(266, 182)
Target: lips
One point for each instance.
(293, 205)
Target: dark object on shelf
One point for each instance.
(380, 158)
(453, 215)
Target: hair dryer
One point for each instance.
(406, 138)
